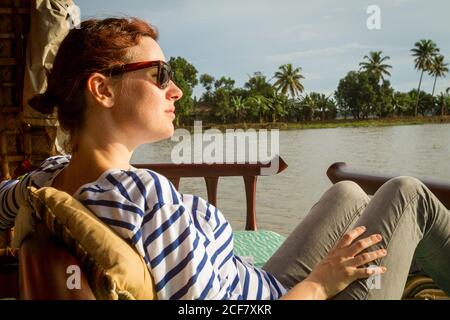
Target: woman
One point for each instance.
(113, 91)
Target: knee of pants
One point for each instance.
(404, 184)
(345, 190)
(348, 186)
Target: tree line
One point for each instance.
(361, 94)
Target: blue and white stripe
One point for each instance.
(186, 242)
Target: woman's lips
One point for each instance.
(171, 112)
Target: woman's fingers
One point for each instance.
(366, 257)
(351, 235)
(363, 244)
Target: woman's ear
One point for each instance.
(101, 89)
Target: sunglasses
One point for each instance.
(163, 76)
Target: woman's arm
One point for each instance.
(306, 290)
(11, 197)
(13, 192)
(339, 268)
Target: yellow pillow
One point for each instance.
(115, 270)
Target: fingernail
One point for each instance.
(384, 251)
(378, 236)
(383, 269)
(362, 228)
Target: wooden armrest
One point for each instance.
(9, 275)
(171, 170)
(371, 182)
(43, 263)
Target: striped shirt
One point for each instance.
(185, 241)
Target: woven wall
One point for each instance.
(18, 141)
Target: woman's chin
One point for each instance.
(167, 133)
(170, 134)
(171, 129)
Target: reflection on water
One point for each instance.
(283, 199)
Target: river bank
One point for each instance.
(328, 124)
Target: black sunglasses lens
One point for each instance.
(164, 76)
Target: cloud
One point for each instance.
(339, 10)
(301, 33)
(322, 52)
(298, 28)
(397, 3)
(313, 76)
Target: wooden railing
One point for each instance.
(371, 182)
(212, 172)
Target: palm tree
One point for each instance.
(280, 105)
(239, 106)
(289, 78)
(438, 69)
(308, 108)
(259, 107)
(440, 99)
(324, 106)
(258, 85)
(375, 65)
(423, 53)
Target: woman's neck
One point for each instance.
(87, 165)
(96, 150)
(114, 156)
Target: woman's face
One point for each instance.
(144, 112)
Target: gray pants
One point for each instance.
(412, 221)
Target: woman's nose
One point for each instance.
(174, 93)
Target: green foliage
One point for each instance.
(289, 80)
(222, 107)
(375, 65)
(403, 104)
(239, 107)
(259, 106)
(437, 69)
(426, 104)
(324, 107)
(207, 81)
(185, 77)
(356, 94)
(384, 101)
(225, 83)
(258, 85)
(423, 52)
(360, 94)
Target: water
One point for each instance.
(284, 199)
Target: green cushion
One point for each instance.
(256, 246)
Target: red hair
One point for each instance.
(95, 45)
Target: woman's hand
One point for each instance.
(343, 264)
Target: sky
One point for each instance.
(327, 39)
